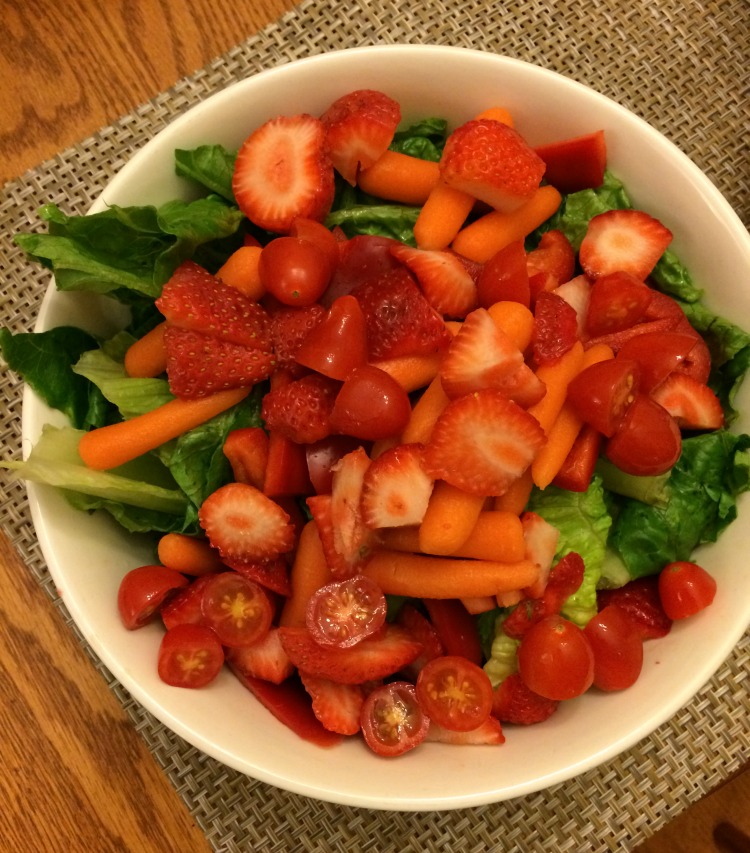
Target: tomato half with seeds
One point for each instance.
(617, 647)
(190, 656)
(392, 719)
(555, 659)
(647, 442)
(505, 277)
(344, 612)
(237, 609)
(142, 592)
(603, 392)
(657, 354)
(455, 693)
(617, 301)
(685, 589)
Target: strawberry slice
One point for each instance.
(352, 539)
(247, 451)
(491, 162)
(398, 318)
(289, 327)
(513, 702)
(301, 410)
(482, 443)
(623, 241)
(480, 356)
(359, 127)
(690, 402)
(371, 659)
(554, 255)
(489, 733)
(199, 365)
(265, 659)
(196, 300)
(640, 599)
(395, 489)
(337, 706)
(540, 539)
(320, 510)
(555, 327)
(283, 172)
(444, 279)
(243, 524)
(422, 630)
(271, 574)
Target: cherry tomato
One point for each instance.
(392, 720)
(657, 354)
(554, 255)
(184, 607)
(189, 656)
(143, 591)
(685, 589)
(603, 392)
(323, 455)
(617, 301)
(455, 693)
(504, 277)
(338, 343)
(370, 405)
(236, 609)
(647, 442)
(360, 258)
(315, 232)
(344, 612)
(293, 270)
(617, 647)
(555, 659)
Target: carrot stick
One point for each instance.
(188, 555)
(450, 517)
(411, 371)
(508, 599)
(400, 177)
(564, 431)
(442, 215)
(424, 413)
(116, 444)
(497, 114)
(240, 271)
(309, 572)
(147, 357)
(517, 496)
(516, 320)
(484, 237)
(556, 375)
(422, 576)
(479, 604)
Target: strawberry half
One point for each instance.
(623, 241)
(491, 162)
(265, 659)
(337, 706)
(443, 278)
(395, 489)
(288, 328)
(243, 524)
(359, 127)
(489, 733)
(199, 365)
(301, 410)
(283, 172)
(513, 702)
(690, 402)
(482, 443)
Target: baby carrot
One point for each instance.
(423, 576)
(412, 372)
(116, 444)
(497, 114)
(240, 271)
(400, 177)
(309, 572)
(147, 357)
(516, 320)
(484, 237)
(188, 555)
(479, 604)
(424, 413)
(556, 375)
(517, 496)
(450, 517)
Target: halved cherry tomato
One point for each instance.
(617, 647)
(142, 592)
(456, 628)
(360, 258)
(685, 589)
(617, 301)
(603, 392)
(370, 405)
(392, 720)
(455, 693)
(553, 255)
(184, 607)
(294, 270)
(237, 609)
(315, 232)
(647, 442)
(338, 344)
(657, 354)
(555, 659)
(578, 468)
(189, 656)
(344, 612)
(504, 277)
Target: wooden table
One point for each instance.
(69, 69)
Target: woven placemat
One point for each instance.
(681, 65)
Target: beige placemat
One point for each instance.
(680, 64)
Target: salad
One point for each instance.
(425, 423)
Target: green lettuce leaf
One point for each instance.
(211, 166)
(425, 139)
(381, 220)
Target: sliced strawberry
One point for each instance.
(373, 658)
(640, 600)
(489, 733)
(184, 607)
(400, 321)
(482, 443)
(199, 365)
(555, 327)
(353, 540)
(623, 241)
(616, 340)
(359, 127)
(265, 659)
(289, 327)
(565, 579)
(247, 452)
(283, 172)
(337, 706)
(553, 255)
(320, 510)
(271, 574)
(577, 293)
(514, 703)
(243, 524)
(690, 402)
(540, 539)
(575, 164)
(523, 387)
(444, 279)
(395, 489)
(422, 630)
(301, 410)
(196, 300)
(491, 162)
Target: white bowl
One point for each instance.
(87, 556)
